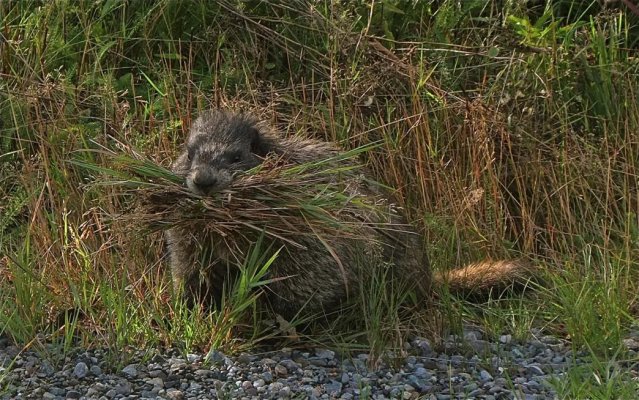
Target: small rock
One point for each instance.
(203, 372)
(472, 335)
(285, 392)
(517, 353)
(631, 344)
(149, 394)
(325, 353)
(333, 388)
(424, 347)
(534, 369)
(57, 391)
(505, 339)
(457, 360)
(158, 382)
(290, 365)
(80, 370)
(280, 370)
(422, 373)
(46, 369)
(495, 389)
(174, 394)
(123, 388)
(130, 370)
(245, 358)
(485, 376)
(158, 373)
(216, 357)
(319, 362)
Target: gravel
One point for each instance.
(466, 367)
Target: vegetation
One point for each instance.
(508, 128)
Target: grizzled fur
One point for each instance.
(312, 278)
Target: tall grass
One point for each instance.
(507, 130)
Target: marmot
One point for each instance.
(312, 279)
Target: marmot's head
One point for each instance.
(219, 145)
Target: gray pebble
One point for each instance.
(155, 382)
(123, 388)
(631, 344)
(534, 369)
(318, 361)
(505, 339)
(174, 394)
(130, 370)
(495, 389)
(485, 375)
(46, 369)
(285, 392)
(95, 370)
(333, 388)
(472, 335)
(80, 370)
(158, 373)
(290, 365)
(245, 358)
(325, 353)
(57, 391)
(280, 370)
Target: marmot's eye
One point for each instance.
(235, 158)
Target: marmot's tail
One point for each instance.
(486, 277)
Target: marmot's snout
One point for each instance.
(207, 180)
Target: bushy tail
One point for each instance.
(486, 277)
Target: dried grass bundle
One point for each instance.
(329, 198)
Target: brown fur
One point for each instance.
(485, 277)
(324, 273)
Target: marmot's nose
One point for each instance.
(205, 182)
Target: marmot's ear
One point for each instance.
(260, 145)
